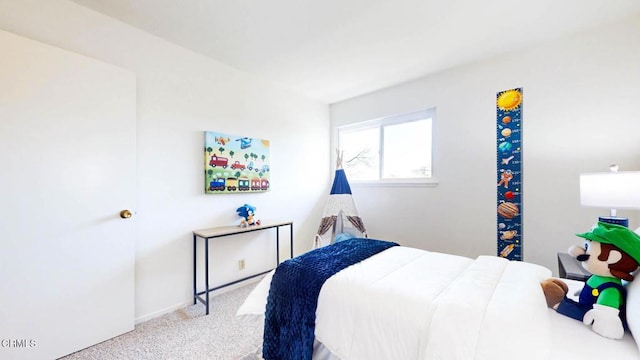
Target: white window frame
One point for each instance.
(386, 121)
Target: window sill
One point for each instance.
(428, 182)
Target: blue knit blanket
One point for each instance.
(293, 296)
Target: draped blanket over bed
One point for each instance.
(406, 303)
(293, 296)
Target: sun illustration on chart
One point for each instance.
(509, 100)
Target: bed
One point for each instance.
(406, 303)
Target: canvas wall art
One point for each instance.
(235, 164)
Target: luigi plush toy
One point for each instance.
(610, 253)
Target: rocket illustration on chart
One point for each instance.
(507, 250)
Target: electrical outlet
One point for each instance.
(241, 264)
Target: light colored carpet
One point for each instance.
(188, 334)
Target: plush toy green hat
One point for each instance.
(620, 236)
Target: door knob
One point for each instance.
(125, 214)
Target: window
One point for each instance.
(391, 150)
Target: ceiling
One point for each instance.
(332, 50)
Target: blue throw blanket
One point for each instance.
(293, 297)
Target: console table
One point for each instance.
(216, 232)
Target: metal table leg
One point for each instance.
(195, 290)
(291, 239)
(277, 245)
(206, 273)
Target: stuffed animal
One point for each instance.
(610, 253)
(247, 212)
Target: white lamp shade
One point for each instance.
(616, 190)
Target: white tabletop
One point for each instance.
(230, 230)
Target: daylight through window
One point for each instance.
(391, 149)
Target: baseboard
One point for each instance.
(189, 302)
(162, 312)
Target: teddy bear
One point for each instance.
(610, 253)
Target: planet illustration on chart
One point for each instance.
(501, 226)
(509, 100)
(506, 119)
(506, 132)
(508, 210)
(509, 195)
(505, 146)
(508, 235)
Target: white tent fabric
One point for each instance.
(340, 214)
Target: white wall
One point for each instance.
(581, 113)
(180, 94)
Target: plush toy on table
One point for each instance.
(247, 212)
(610, 253)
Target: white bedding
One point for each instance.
(406, 303)
(573, 340)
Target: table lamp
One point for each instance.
(613, 190)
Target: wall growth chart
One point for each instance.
(509, 173)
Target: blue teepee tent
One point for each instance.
(340, 214)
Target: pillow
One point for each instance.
(342, 237)
(633, 308)
(253, 306)
(633, 305)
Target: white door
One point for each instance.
(67, 169)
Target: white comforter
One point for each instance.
(406, 303)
